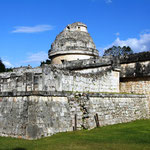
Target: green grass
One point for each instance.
(127, 136)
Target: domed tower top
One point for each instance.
(73, 43)
(77, 26)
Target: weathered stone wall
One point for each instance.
(135, 77)
(135, 73)
(43, 101)
(139, 85)
(135, 69)
(88, 65)
(135, 65)
(51, 78)
(21, 80)
(69, 57)
(59, 80)
(33, 115)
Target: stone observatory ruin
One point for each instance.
(73, 43)
(79, 90)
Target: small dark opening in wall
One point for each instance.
(68, 27)
(78, 27)
(62, 61)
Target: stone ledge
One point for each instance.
(69, 93)
(86, 63)
(92, 52)
(136, 57)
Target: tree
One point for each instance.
(48, 61)
(2, 66)
(118, 51)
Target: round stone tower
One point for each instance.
(73, 43)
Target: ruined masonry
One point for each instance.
(78, 90)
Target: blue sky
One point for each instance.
(28, 27)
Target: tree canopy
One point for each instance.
(118, 51)
(2, 66)
(47, 61)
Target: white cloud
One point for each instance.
(7, 64)
(37, 57)
(108, 1)
(34, 29)
(137, 45)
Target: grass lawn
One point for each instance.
(127, 136)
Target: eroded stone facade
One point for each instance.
(135, 73)
(70, 94)
(61, 78)
(73, 43)
(40, 114)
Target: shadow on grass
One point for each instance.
(18, 148)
